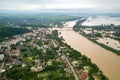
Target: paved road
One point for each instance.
(74, 73)
(1, 69)
(1, 66)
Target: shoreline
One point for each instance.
(117, 52)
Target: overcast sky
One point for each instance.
(81, 5)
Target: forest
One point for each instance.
(9, 32)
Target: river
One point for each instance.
(106, 60)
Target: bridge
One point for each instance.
(64, 29)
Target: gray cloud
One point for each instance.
(97, 5)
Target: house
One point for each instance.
(74, 63)
(84, 76)
(68, 72)
(2, 70)
(1, 57)
(41, 47)
(49, 62)
(48, 31)
(15, 52)
(2, 50)
(59, 54)
(23, 64)
(39, 65)
(108, 35)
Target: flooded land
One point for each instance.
(106, 60)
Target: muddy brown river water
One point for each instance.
(106, 60)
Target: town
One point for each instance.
(43, 55)
(59, 39)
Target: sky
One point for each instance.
(61, 5)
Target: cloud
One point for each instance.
(97, 5)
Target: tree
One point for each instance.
(12, 46)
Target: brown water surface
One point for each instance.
(106, 60)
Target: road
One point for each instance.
(71, 67)
(1, 69)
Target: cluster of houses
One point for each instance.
(39, 65)
(105, 37)
(12, 57)
(2, 53)
(104, 33)
(82, 73)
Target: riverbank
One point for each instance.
(102, 45)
